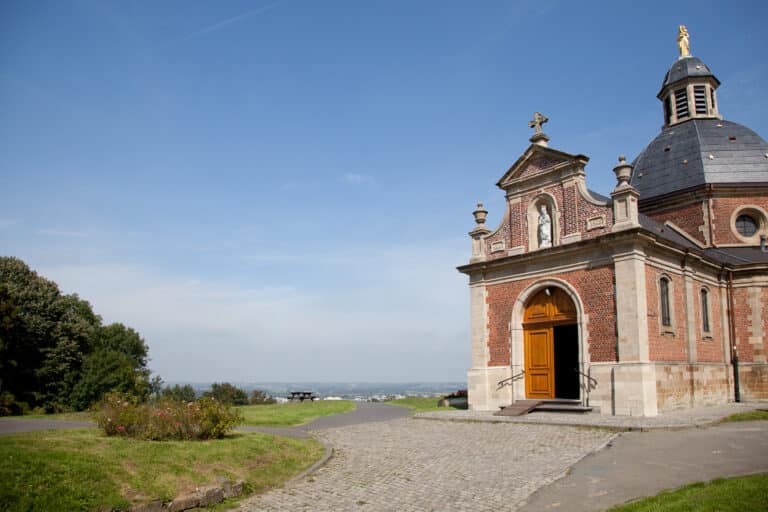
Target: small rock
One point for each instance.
(184, 503)
(210, 495)
(152, 506)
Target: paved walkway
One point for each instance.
(413, 465)
(685, 418)
(464, 461)
(644, 464)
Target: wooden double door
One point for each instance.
(551, 346)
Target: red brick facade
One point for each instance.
(722, 213)
(594, 287)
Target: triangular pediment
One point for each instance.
(539, 160)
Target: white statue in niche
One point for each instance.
(545, 227)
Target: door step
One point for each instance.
(518, 408)
(562, 406)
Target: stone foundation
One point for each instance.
(753, 381)
(484, 393)
(682, 386)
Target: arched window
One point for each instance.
(704, 310)
(666, 319)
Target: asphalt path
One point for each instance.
(14, 426)
(365, 412)
(646, 463)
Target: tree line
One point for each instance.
(56, 353)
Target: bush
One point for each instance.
(206, 418)
(228, 394)
(9, 406)
(259, 397)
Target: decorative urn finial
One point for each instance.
(480, 215)
(683, 42)
(623, 172)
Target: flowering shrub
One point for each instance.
(206, 418)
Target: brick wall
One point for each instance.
(709, 347)
(690, 218)
(723, 209)
(742, 320)
(665, 347)
(594, 287)
(574, 212)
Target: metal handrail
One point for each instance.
(510, 380)
(590, 384)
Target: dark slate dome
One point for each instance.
(697, 152)
(684, 68)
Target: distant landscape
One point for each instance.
(363, 391)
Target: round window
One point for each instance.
(746, 225)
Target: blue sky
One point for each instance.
(282, 190)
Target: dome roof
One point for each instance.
(698, 152)
(687, 67)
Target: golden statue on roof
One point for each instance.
(683, 42)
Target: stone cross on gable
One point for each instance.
(537, 121)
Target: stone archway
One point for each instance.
(548, 316)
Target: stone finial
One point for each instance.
(683, 42)
(480, 215)
(623, 172)
(538, 137)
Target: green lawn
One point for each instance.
(748, 416)
(421, 404)
(748, 493)
(84, 470)
(291, 414)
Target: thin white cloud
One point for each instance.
(358, 179)
(62, 233)
(221, 24)
(8, 223)
(385, 303)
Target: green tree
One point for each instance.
(185, 393)
(54, 350)
(259, 397)
(228, 394)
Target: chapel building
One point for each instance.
(651, 300)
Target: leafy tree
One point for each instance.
(259, 397)
(185, 393)
(54, 350)
(228, 394)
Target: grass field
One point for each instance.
(291, 414)
(84, 470)
(421, 404)
(721, 495)
(748, 416)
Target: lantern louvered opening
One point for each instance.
(700, 99)
(681, 103)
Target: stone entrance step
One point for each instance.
(518, 408)
(562, 405)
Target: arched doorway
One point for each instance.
(551, 346)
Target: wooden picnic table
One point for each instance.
(302, 395)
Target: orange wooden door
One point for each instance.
(539, 363)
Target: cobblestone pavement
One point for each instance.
(413, 465)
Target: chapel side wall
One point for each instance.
(722, 211)
(681, 386)
(594, 287)
(668, 343)
(709, 345)
(751, 326)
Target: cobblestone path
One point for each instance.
(421, 465)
